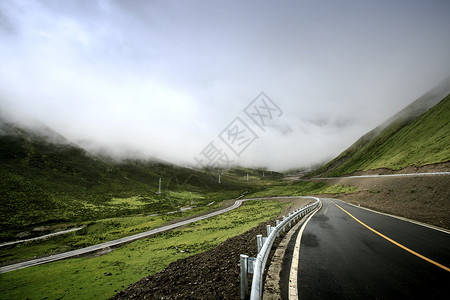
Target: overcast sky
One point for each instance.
(166, 78)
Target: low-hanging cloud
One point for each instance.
(164, 78)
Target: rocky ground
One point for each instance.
(421, 198)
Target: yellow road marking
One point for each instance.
(394, 242)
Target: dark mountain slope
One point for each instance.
(45, 179)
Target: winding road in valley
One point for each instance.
(117, 242)
(98, 247)
(346, 252)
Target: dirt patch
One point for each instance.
(421, 198)
(213, 274)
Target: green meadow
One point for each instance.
(95, 232)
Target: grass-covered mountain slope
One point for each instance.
(45, 179)
(418, 136)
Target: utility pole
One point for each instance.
(247, 176)
(159, 186)
(219, 178)
(263, 174)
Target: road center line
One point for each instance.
(394, 242)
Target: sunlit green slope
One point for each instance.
(407, 140)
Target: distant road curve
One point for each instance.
(117, 242)
(387, 175)
(42, 237)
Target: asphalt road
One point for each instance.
(340, 258)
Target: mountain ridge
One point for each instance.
(357, 156)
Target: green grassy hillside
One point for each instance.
(407, 140)
(43, 183)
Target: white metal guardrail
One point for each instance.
(256, 266)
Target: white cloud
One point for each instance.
(164, 78)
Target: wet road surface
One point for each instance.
(350, 253)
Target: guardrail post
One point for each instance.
(259, 242)
(278, 223)
(269, 229)
(244, 276)
(284, 227)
